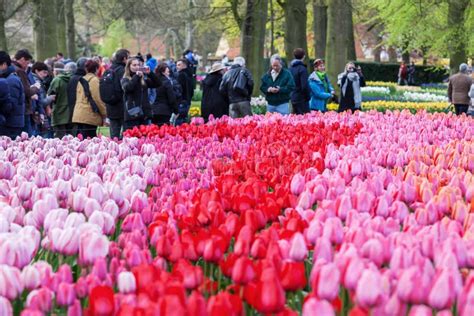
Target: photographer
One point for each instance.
(135, 83)
(350, 81)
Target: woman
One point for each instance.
(213, 102)
(166, 101)
(321, 89)
(135, 83)
(350, 82)
(89, 110)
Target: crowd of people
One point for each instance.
(229, 92)
(60, 96)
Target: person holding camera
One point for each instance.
(136, 81)
(320, 87)
(351, 81)
(89, 110)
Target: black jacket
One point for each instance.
(300, 75)
(136, 94)
(228, 81)
(165, 101)
(72, 88)
(14, 110)
(346, 101)
(115, 111)
(213, 101)
(186, 83)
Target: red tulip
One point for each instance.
(101, 301)
(243, 271)
(196, 304)
(293, 276)
(224, 303)
(271, 298)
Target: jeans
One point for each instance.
(151, 95)
(301, 107)
(116, 128)
(29, 127)
(240, 109)
(461, 108)
(183, 110)
(282, 108)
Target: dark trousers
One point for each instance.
(116, 128)
(240, 109)
(11, 132)
(62, 130)
(86, 130)
(183, 110)
(133, 123)
(300, 107)
(160, 119)
(461, 108)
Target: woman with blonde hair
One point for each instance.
(135, 84)
(89, 110)
(350, 81)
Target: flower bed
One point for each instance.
(315, 214)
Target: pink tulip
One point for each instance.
(40, 300)
(298, 250)
(66, 295)
(325, 278)
(5, 307)
(420, 310)
(64, 241)
(75, 309)
(11, 285)
(297, 184)
(445, 289)
(313, 306)
(126, 282)
(369, 289)
(91, 247)
(30, 277)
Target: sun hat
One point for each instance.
(216, 67)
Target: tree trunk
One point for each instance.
(406, 57)
(253, 37)
(3, 35)
(320, 23)
(295, 26)
(189, 26)
(272, 28)
(336, 45)
(61, 26)
(44, 23)
(70, 29)
(377, 51)
(392, 55)
(458, 36)
(351, 52)
(87, 12)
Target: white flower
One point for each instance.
(381, 90)
(429, 97)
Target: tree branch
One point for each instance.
(235, 12)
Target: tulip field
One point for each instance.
(321, 214)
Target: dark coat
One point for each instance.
(300, 75)
(72, 83)
(165, 101)
(16, 114)
(213, 101)
(346, 101)
(284, 80)
(5, 103)
(29, 92)
(186, 82)
(116, 110)
(226, 86)
(136, 94)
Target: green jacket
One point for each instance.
(284, 81)
(61, 114)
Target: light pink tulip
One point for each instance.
(126, 282)
(66, 295)
(91, 247)
(369, 289)
(313, 306)
(298, 250)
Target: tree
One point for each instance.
(253, 36)
(336, 44)
(70, 28)
(61, 25)
(349, 31)
(320, 20)
(457, 33)
(5, 15)
(44, 22)
(295, 25)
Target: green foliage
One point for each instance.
(116, 37)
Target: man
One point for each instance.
(61, 113)
(115, 106)
(300, 96)
(21, 62)
(186, 83)
(238, 84)
(277, 85)
(13, 108)
(458, 89)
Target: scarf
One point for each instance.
(354, 78)
(322, 77)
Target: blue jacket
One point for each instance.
(152, 63)
(300, 75)
(16, 114)
(319, 96)
(5, 103)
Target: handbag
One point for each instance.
(135, 112)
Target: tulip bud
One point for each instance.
(126, 282)
(298, 250)
(66, 294)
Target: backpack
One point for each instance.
(239, 84)
(108, 88)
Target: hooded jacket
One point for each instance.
(15, 111)
(61, 112)
(213, 101)
(300, 75)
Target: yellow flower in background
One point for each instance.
(397, 105)
(195, 111)
(381, 84)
